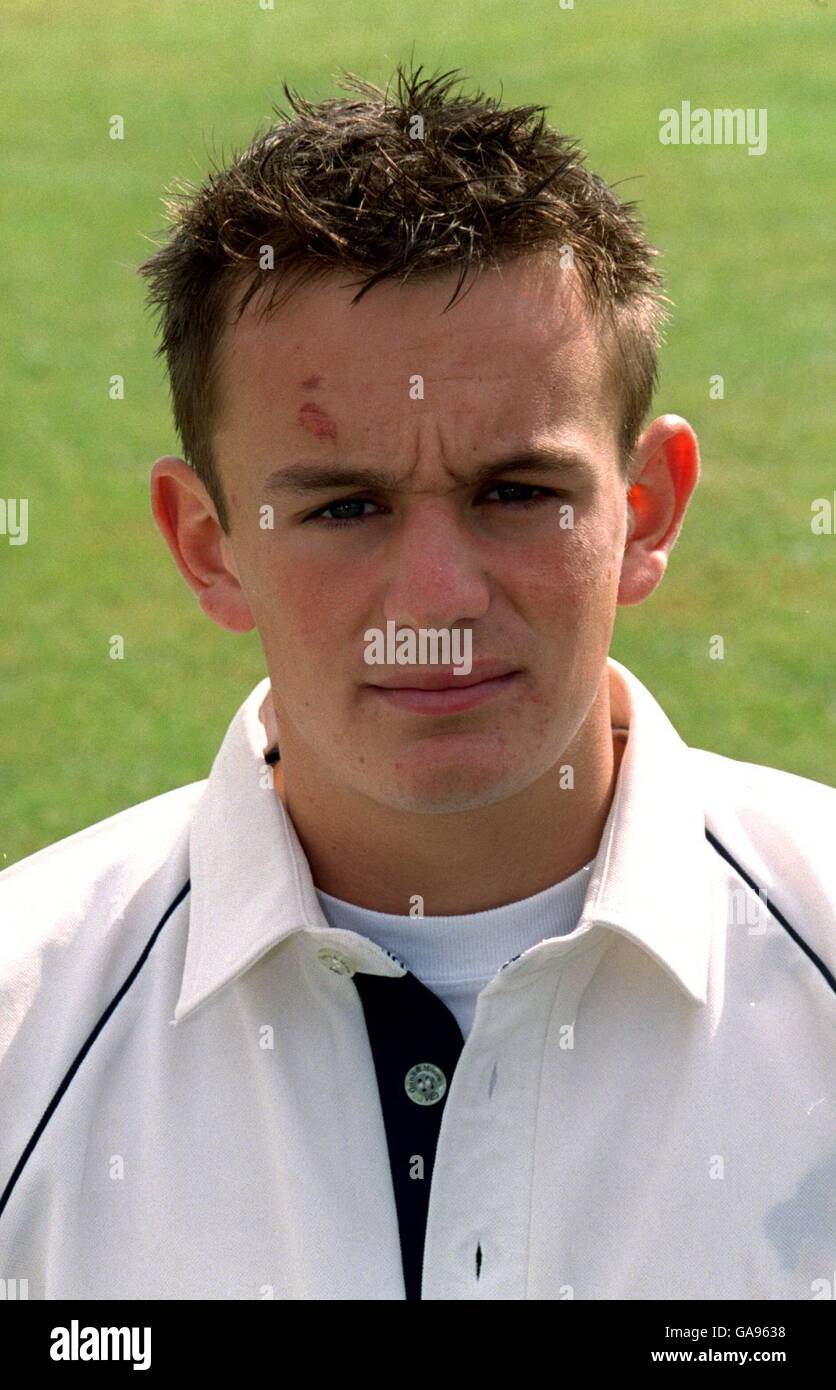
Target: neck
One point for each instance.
(457, 863)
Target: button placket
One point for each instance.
(406, 1021)
(480, 1215)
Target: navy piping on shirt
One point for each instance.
(771, 908)
(85, 1048)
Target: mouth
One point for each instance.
(441, 692)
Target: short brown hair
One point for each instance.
(360, 185)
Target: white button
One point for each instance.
(340, 964)
(425, 1083)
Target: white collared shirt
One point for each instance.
(643, 1109)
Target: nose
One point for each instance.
(437, 577)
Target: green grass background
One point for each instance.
(745, 242)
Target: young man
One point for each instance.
(461, 977)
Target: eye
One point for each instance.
(346, 503)
(525, 488)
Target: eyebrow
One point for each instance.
(305, 477)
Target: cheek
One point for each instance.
(566, 578)
(311, 607)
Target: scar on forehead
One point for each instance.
(311, 418)
(311, 382)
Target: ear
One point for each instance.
(667, 467)
(188, 520)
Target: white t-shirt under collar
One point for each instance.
(457, 956)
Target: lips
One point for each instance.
(437, 695)
(444, 677)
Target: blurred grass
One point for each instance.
(745, 241)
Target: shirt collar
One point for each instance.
(649, 879)
(251, 884)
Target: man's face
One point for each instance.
(393, 384)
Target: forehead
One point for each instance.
(517, 356)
